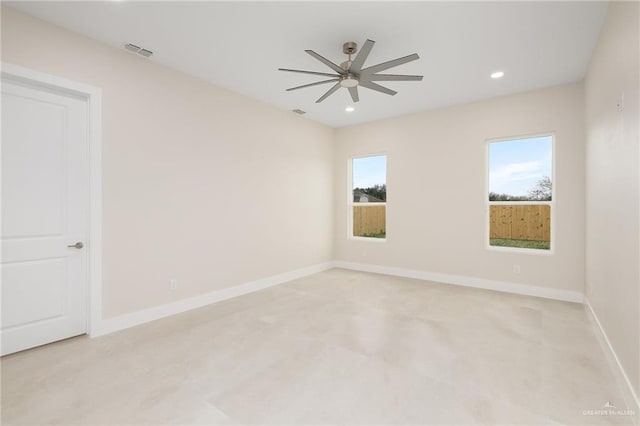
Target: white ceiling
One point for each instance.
(240, 45)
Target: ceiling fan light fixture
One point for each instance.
(349, 109)
(498, 74)
(349, 81)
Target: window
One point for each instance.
(521, 193)
(368, 197)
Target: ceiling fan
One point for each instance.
(350, 74)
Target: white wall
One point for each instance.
(201, 184)
(436, 172)
(613, 187)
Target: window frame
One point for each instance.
(551, 204)
(351, 204)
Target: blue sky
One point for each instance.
(516, 166)
(369, 171)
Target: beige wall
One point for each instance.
(200, 184)
(613, 190)
(436, 166)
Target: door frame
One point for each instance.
(93, 97)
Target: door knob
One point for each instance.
(77, 245)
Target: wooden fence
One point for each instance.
(369, 220)
(520, 222)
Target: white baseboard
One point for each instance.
(631, 397)
(122, 322)
(528, 290)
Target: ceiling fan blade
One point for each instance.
(327, 62)
(353, 91)
(377, 87)
(357, 63)
(309, 72)
(312, 84)
(392, 77)
(389, 64)
(329, 92)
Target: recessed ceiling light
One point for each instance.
(349, 109)
(497, 74)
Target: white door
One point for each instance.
(44, 211)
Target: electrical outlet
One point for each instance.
(173, 284)
(516, 269)
(620, 105)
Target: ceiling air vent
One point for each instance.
(299, 111)
(139, 50)
(132, 47)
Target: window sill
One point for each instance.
(372, 239)
(537, 252)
